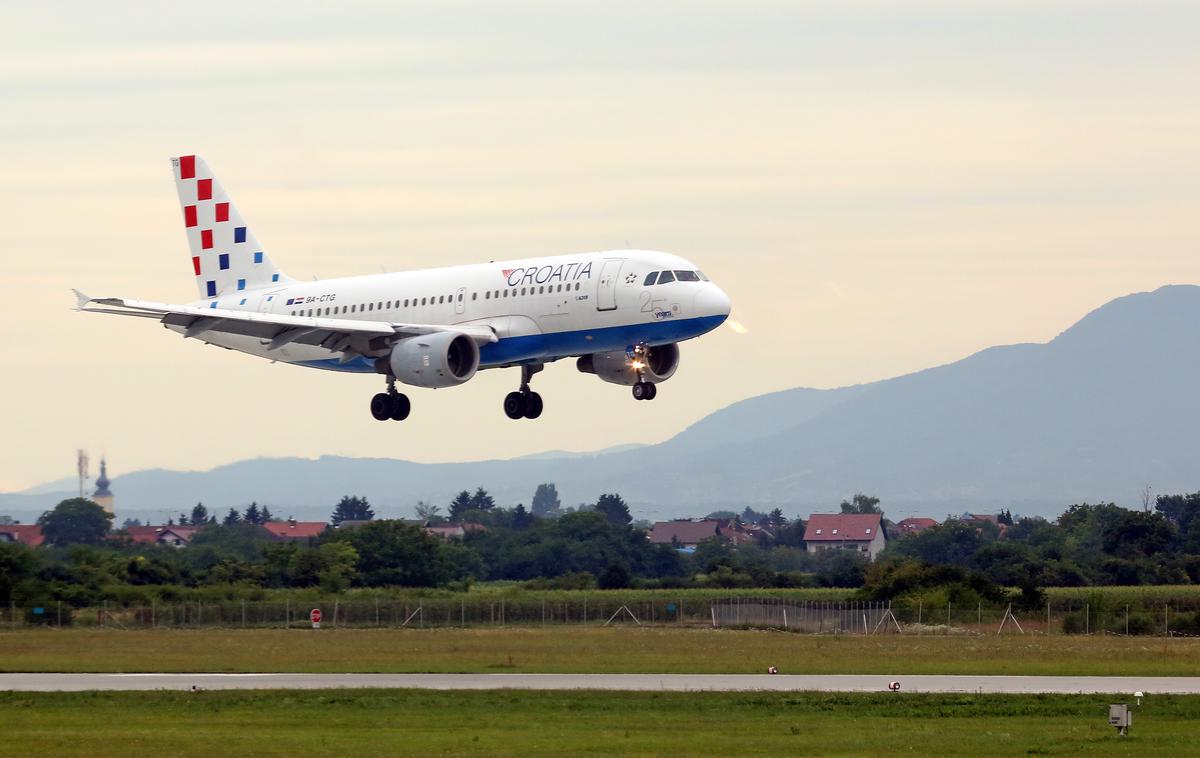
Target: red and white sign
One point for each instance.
(315, 616)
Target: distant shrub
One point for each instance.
(579, 580)
(1074, 623)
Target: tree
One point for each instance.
(482, 501)
(751, 516)
(264, 515)
(1005, 517)
(545, 501)
(77, 520)
(392, 553)
(428, 512)
(861, 503)
(521, 518)
(253, 516)
(131, 522)
(199, 515)
(231, 518)
(460, 505)
(614, 577)
(614, 509)
(352, 508)
(776, 519)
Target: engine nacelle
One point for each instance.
(658, 364)
(441, 359)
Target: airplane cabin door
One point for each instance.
(460, 301)
(606, 285)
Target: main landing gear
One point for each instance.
(390, 405)
(525, 403)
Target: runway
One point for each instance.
(1116, 685)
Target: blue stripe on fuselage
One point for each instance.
(544, 347)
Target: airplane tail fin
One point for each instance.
(226, 256)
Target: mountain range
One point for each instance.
(1106, 408)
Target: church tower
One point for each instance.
(103, 496)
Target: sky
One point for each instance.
(879, 186)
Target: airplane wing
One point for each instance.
(350, 337)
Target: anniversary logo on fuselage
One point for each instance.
(567, 272)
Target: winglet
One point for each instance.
(80, 300)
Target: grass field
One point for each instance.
(588, 650)
(408, 722)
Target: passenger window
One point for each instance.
(686, 276)
(354, 309)
(370, 306)
(487, 295)
(651, 278)
(506, 293)
(666, 277)
(522, 291)
(474, 295)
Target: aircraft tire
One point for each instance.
(400, 407)
(533, 405)
(381, 406)
(653, 388)
(640, 391)
(514, 405)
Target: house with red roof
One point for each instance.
(686, 534)
(294, 530)
(454, 531)
(175, 536)
(914, 525)
(26, 534)
(845, 531)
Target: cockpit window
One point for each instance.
(651, 278)
(700, 274)
(686, 276)
(666, 277)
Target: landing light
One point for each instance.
(638, 365)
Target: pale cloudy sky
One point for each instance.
(880, 186)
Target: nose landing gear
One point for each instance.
(524, 403)
(644, 390)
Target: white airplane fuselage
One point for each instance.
(541, 309)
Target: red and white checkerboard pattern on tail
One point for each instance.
(226, 256)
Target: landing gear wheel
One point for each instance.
(514, 405)
(533, 405)
(400, 407)
(653, 391)
(643, 391)
(381, 406)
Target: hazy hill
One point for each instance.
(1104, 409)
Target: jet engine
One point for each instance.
(440, 359)
(656, 364)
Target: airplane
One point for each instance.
(620, 313)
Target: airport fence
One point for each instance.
(1083, 615)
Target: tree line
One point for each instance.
(599, 545)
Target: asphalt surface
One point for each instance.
(1116, 685)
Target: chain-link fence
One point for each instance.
(1071, 616)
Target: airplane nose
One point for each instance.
(712, 301)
